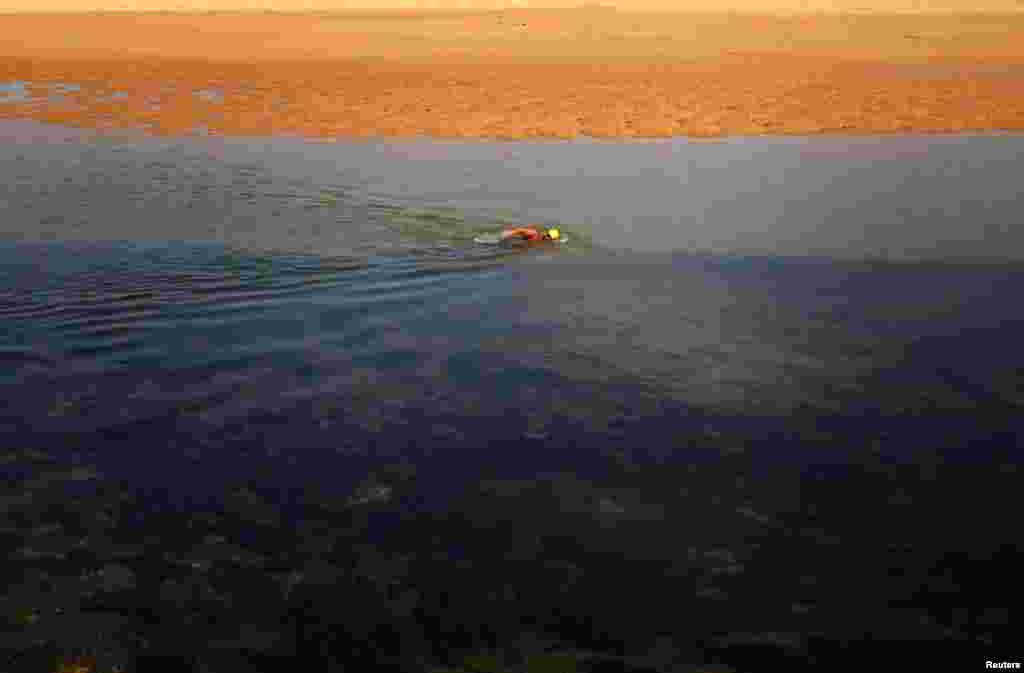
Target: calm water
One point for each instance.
(764, 403)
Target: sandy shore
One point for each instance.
(517, 73)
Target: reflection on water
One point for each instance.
(295, 363)
(13, 92)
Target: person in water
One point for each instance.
(530, 234)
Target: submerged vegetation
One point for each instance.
(632, 573)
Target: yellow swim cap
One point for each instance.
(554, 234)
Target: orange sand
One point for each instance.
(522, 73)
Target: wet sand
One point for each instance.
(514, 74)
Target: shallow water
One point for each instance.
(756, 362)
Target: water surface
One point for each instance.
(774, 383)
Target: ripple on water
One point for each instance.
(118, 305)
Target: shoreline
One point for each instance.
(517, 74)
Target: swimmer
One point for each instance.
(530, 234)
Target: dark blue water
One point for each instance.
(767, 398)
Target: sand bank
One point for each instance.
(517, 73)
(689, 6)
